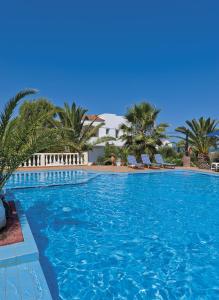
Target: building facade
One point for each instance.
(111, 124)
(110, 127)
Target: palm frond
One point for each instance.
(10, 106)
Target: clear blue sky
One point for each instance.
(107, 55)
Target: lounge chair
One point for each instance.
(146, 161)
(159, 160)
(133, 163)
(215, 166)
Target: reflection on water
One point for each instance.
(37, 179)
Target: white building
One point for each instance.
(166, 142)
(111, 127)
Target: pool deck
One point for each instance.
(21, 276)
(111, 169)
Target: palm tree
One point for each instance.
(29, 109)
(76, 132)
(140, 132)
(20, 136)
(195, 135)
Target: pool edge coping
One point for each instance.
(98, 173)
(23, 252)
(146, 171)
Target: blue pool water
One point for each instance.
(136, 236)
(51, 178)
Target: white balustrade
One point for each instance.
(56, 159)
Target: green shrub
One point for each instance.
(170, 155)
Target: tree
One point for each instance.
(184, 143)
(195, 135)
(36, 107)
(22, 136)
(76, 133)
(140, 132)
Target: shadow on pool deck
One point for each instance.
(42, 242)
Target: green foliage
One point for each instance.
(177, 161)
(197, 131)
(123, 154)
(171, 155)
(35, 108)
(120, 153)
(196, 135)
(142, 134)
(168, 151)
(109, 150)
(22, 136)
(75, 133)
(180, 146)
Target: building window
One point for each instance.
(107, 130)
(117, 133)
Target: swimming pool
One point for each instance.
(127, 236)
(51, 178)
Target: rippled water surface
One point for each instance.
(51, 178)
(137, 236)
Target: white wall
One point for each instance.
(95, 153)
(113, 123)
(166, 143)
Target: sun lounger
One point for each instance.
(146, 161)
(159, 160)
(133, 163)
(215, 166)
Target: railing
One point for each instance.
(56, 159)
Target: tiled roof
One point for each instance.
(94, 118)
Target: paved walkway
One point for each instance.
(115, 169)
(24, 281)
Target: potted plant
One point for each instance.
(118, 162)
(123, 153)
(113, 159)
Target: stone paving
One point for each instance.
(116, 169)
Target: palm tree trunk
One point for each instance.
(186, 161)
(203, 161)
